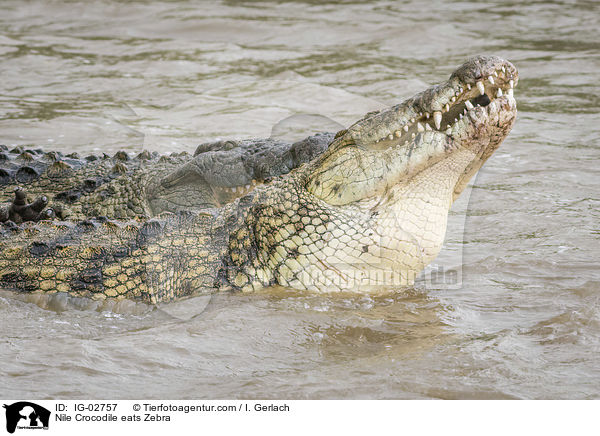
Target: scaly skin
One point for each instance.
(369, 212)
(72, 188)
(121, 187)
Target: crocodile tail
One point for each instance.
(153, 261)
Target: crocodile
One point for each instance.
(69, 187)
(369, 212)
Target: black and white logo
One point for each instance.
(26, 415)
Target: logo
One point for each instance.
(26, 415)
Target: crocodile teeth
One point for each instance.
(447, 107)
(428, 127)
(405, 128)
(509, 92)
(453, 99)
(412, 120)
(390, 136)
(420, 127)
(437, 119)
(468, 86)
(469, 105)
(481, 87)
(448, 131)
(496, 73)
(427, 115)
(491, 79)
(511, 83)
(499, 93)
(503, 69)
(465, 112)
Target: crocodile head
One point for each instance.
(394, 174)
(471, 113)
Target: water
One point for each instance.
(518, 316)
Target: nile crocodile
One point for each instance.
(122, 186)
(368, 211)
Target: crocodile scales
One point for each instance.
(123, 187)
(368, 210)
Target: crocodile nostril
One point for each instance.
(482, 100)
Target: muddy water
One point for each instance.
(509, 310)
